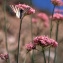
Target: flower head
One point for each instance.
(29, 46)
(58, 11)
(43, 17)
(4, 56)
(57, 2)
(23, 8)
(44, 41)
(57, 16)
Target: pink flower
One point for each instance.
(57, 2)
(44, 41)
(27, 9)
(24, 7)
(43, 16)
(54, 43)
(30, 46)
(4, 56)
(58, 11)
(57, 16)
(34, 20)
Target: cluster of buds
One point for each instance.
(42, 41)
(57, 2)
(4, 56)
(20, 8)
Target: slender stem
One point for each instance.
(32, 56)
(57, 27)
(30, 2)
(5, 28)
(51, 26)
(25, 58)
(44, 56)
(19, 34)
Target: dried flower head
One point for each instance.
(20, 8)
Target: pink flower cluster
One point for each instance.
(43, 17)
(4, 56)
(30, 46)
(57, 2)
(58, 11)
(24, 7)
(42, 41)
(57, 16)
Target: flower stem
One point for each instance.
(44, 56)
(32, 56)
(19, 34)
(5, 29)
(57, 27)
(25, 58)
(51, 26)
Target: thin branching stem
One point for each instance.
(51, 26)
(44, 55)
(57, 30)
(25, 58)
(32, 56)
(5, 28)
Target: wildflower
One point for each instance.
(57, 16)
(57, 2)
(58, 11)
(53, 43)
(4, 56)
(43, 17)
(44, 41)
(29, 46)
(20, 8)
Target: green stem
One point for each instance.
(44, 56)
(57, 27)
(32, 56)
(5, 28)
(51, 26)
(25, 58)
(19, 34)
